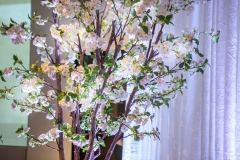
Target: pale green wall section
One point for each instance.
(11, 120)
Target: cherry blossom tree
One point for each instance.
(129, 63)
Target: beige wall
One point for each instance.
(37, 121)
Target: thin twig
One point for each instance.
(50, 86)
(150, 42)
(159, 34)
(99, 153)
(45, 144)
(49, 56)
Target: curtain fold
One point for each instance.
(204, 123)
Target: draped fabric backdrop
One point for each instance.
(204, 123)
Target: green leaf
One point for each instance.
(101, 142)
(152, 116)
(167, 68)
(135, 1)
(147, 113)
(161, 17)
(109, 109)
(58, 121)
(145, 19)
(1, 138)
(187, 67)
(124, 81)
(29, 17)
(136, 137)
(189, 56)
(85, 149)
(82, 138)
(145, 29)
(196, 50)
(59, 91)
(148, 11)
(20, 62)
(156, 73)
(77, 138)
(169, 17)
(12, 21)
(134, 13)
(67, 98)
(19, 130)
(166, 100)
(3, 79)
(166, 19)
(72, 95)
(60, 97)
(136, 127)
(45, 35)
(150, 17)
(148, 68)
(22, 109)
(171, 71)
(94, 99)
(196, 41)
(135, 88)
(200, 70)
(15, 58)
(200, 54)
(181, 65)
(215, 37)
(15, 101)
(143, 46)
(141, 87)
(157, 103)
(140, 78)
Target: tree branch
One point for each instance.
(49, 56)
(119, 133)
(45, 144)
(150, 42)
(92, 134)
(59, 87)
(99, 153)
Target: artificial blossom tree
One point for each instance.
(130, 55)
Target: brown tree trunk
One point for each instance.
(60, 111)
(59, 87)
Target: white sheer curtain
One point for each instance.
(204, 123)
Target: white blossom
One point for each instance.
(39, 42)
(52, 134)
(32, 85)
(7, 72)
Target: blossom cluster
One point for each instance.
(18, 33)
